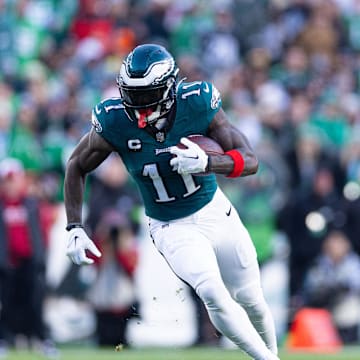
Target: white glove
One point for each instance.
(189, 161)
(78, 242)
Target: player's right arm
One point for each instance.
(91, 151)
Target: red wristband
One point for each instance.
(239, 163)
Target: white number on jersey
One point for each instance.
(152, 171)
(191, 92)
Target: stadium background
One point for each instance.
(288, 72)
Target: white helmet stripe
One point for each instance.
(156, 72)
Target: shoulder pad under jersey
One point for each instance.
(103, 114)
(201, 96)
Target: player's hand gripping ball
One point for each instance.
(192, 154)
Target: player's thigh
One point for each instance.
(188, 252)
(237, 259)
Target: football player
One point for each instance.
(192, 224)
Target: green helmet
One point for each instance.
(147, 83)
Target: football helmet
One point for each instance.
(147, 83)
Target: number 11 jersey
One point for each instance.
(166, 194)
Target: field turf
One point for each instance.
(90, 353)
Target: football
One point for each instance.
(210, 146)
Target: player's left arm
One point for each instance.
(241, 159)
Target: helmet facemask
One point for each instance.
(147, 84)
(148, 104)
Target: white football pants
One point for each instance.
(212, 251)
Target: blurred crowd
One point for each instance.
(289, 75)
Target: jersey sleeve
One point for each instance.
(215, 98)
(105, 118)
(98, 121)
(203, 98)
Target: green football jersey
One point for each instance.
(166, 194)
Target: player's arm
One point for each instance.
(91, 151)
(241, 159)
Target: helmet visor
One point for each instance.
(142, 98)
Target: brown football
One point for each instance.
(210, 146)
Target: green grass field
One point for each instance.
(88, 353)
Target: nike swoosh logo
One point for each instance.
(206, 88)
(193, 157)
(228, 212)
(73, 240)
(97, 110)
